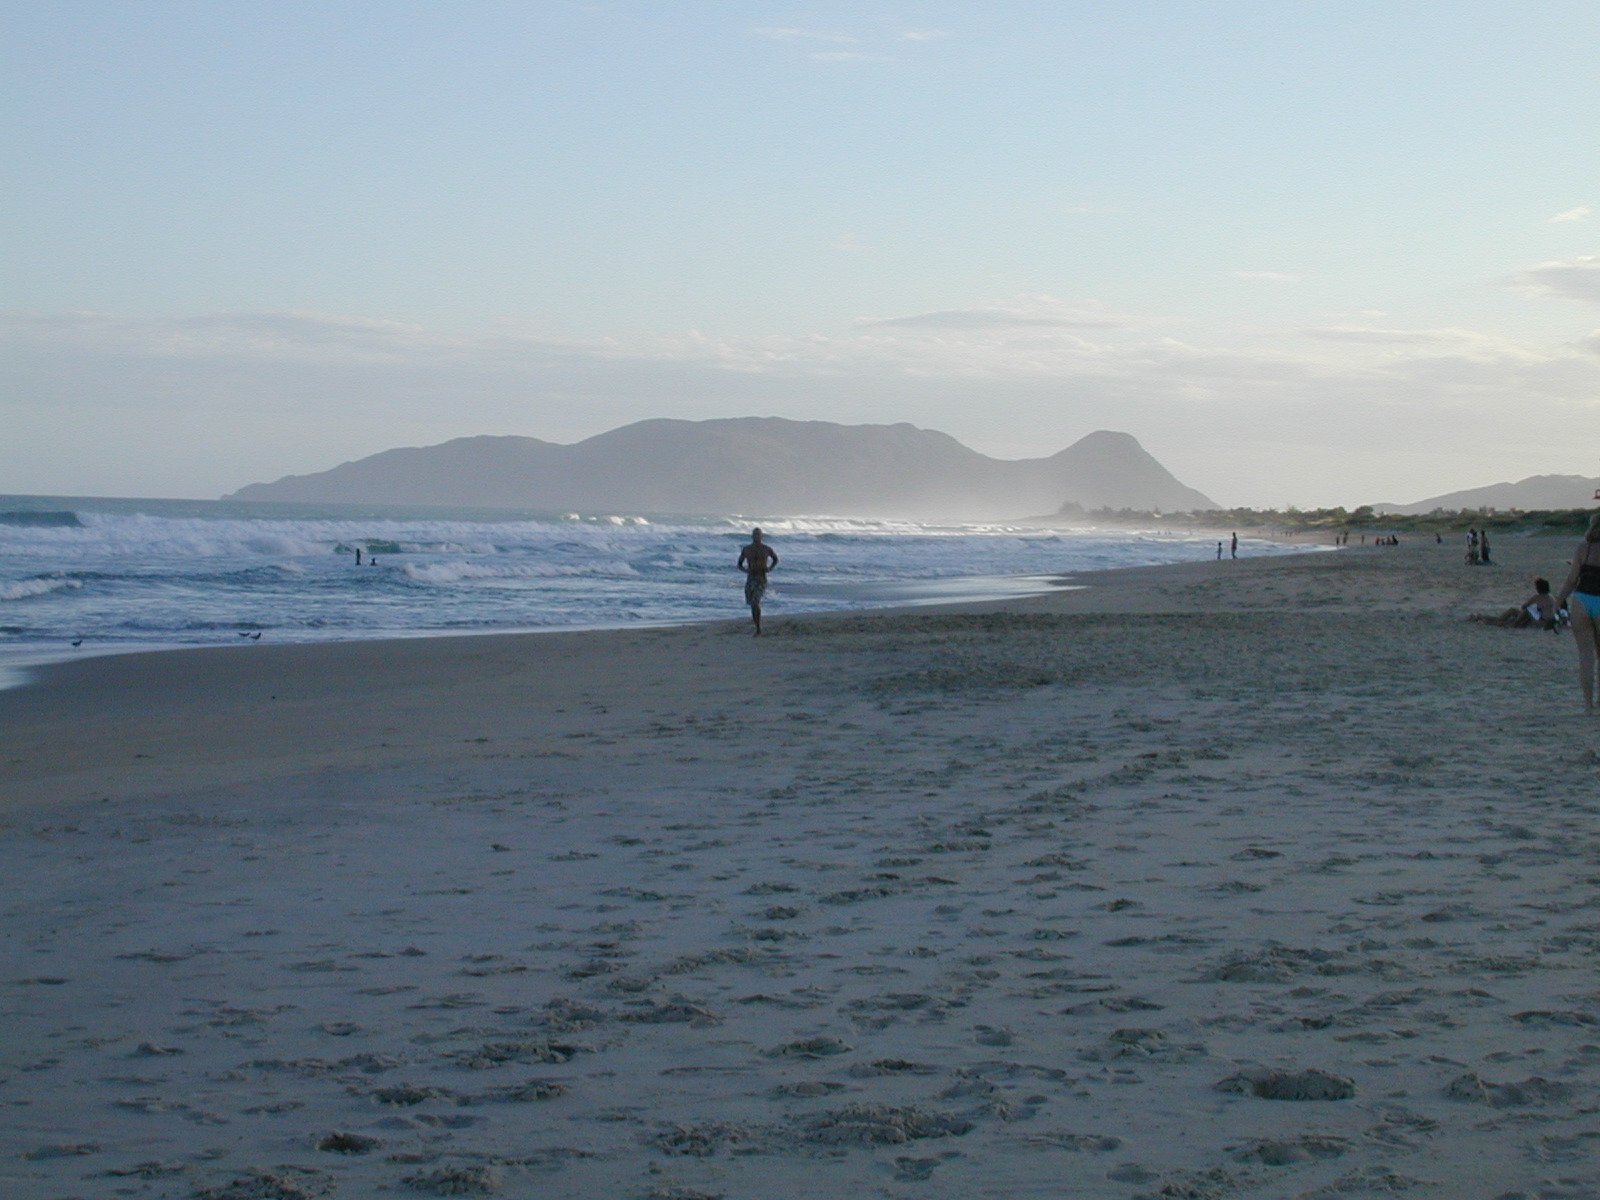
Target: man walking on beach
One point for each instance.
(755, 560)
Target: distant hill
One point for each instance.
(750, 465)
(1537, 492)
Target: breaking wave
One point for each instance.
(28, 588)
(193, 572)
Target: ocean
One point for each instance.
(84, 575)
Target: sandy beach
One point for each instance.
(1266, 878)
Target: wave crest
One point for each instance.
(28, 588)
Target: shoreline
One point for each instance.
(68, 624)
(229, 682)
(19, 664)
(1071, 892)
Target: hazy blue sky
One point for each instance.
(1307, 253)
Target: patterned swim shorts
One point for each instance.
(755, 587)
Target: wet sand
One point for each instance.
(1263, 879)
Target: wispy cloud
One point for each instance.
(875, 46)
(1030, 312)
(790, 33)
(1021, 337)
(297, 336)
(847, 56)
(1469, 342)
(1572, 214)
(1576, 279)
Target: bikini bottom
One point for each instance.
(1591, 604)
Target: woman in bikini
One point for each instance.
(1583, 588)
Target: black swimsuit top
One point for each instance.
(1588, 574)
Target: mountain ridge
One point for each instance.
(749, 464)
(1536, 492)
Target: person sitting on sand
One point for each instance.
(755, 560)
(1582, 587)
(1538, 611)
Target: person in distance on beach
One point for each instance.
(1233, 547)
(755, 560)
(1583, 589)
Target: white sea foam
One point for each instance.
(28, 588)
(445, 573)
(189, 572)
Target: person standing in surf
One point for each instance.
(755, 560)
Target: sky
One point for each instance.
(1308, 253)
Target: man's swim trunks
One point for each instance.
(755, 587)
